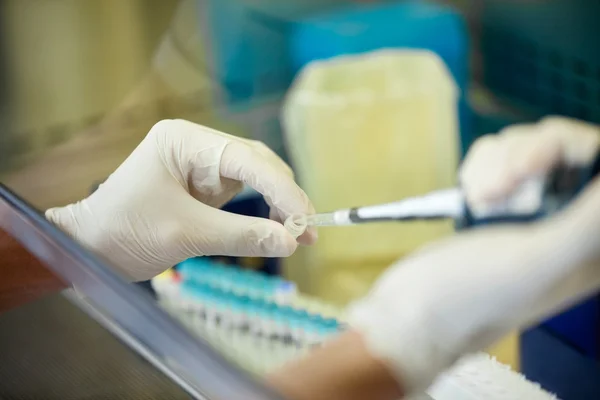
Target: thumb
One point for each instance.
(64, 218)
(217, 232)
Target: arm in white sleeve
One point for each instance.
(463, 294)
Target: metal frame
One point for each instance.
(127, 311)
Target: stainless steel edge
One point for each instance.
(140, 320)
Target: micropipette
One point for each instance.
(435, 205)
(535, 198)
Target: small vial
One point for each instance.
(195, 269)
(282, 326)
(298, 333)
(246, 286)
(296, 224)
(242, 319)
(313, 334)
(237, 314)
(256, 321)
(333, 324)
(277, 328)
(212, 310)
(331, 328)
(234, 284)
(285, 291)
(226, 305)
(303, 314)
(264, 289)
(287, 311)
(263, 326)
(167, 288)
(269, 321)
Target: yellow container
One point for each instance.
(369, 129)
(506, 351)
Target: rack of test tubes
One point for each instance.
(261, 322)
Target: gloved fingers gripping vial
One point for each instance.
(536, 197)
(296, 224)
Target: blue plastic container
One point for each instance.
(248, 44)
(411, 24)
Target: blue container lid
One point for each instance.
(359, 29)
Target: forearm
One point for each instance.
(343, 369)
(23, 277)
(578, 254)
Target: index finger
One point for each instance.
(241, 162)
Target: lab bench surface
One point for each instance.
(51, 349)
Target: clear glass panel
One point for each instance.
(81, 84)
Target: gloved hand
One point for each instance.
(161, 205)
(462, 294)
(497, 164)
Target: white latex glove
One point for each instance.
(161, 205)
(497, 164)
(462, 294)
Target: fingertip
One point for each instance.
(279, 243)
(58, 216)
(288, 243)
(309, 237)
(50, 214)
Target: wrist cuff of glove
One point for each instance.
(403, 341)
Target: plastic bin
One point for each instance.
(367, 129)
(408, 24)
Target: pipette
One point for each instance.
(435, 205)
(535, 198)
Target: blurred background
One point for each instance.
(369, 101)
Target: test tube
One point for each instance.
(277, 330)
(299, 333)
(246, 308)
(237, 313)
(211, 306)
(285, 291)
(227, 314)
(256, 313)
(313, 334)
(194, 299)
(286, 314)
(331, 328)
(296, 224)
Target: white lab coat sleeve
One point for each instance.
(463, 294)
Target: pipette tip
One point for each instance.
(324, 219)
